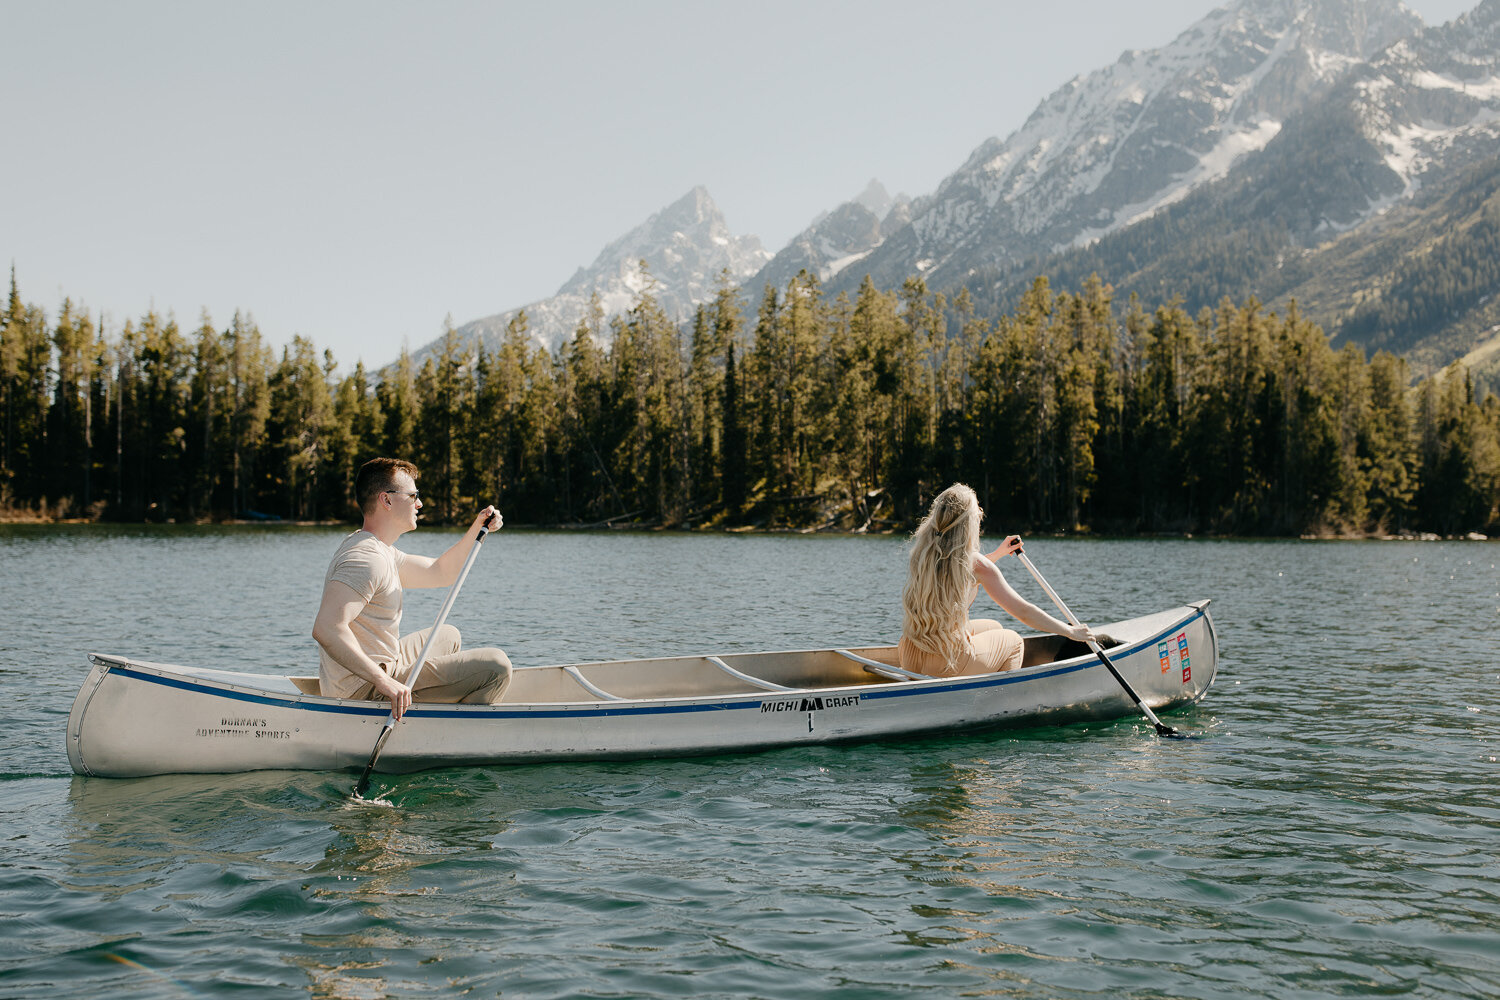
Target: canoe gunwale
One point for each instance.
(189, 680)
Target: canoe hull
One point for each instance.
(132, 718)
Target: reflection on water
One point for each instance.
(1332, 836)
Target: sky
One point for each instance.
(360, 173)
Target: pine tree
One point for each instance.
(25, 391)
(589, 425)
(1349, 507)
(651, 371)
(1460, 455)
(68, 455)
(868, 365)
(1308, 463)
(208, 419)
(1390, 447)
(735, 454)
(163, 370)
(397, 393)
(539, 436)
(250, 409)
(301, 420)
(921, 337)
(444, 388)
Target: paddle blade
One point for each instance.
(363, 784)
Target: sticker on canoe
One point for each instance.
(816, 703)
(1168, 649)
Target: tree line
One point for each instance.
(801, 410)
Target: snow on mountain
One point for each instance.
(686, 247)
(1431, 102)
(1115, 146)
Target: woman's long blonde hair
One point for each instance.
(940, 583)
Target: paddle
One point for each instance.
(1161, 729)
(363, 785)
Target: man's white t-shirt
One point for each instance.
(372, 569)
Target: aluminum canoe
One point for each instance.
(134, 718)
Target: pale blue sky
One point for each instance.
(357, 171)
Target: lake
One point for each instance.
(1333, 833)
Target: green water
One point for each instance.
(1333, 835)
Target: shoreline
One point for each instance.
(16, 518)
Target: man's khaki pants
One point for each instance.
(451, 673)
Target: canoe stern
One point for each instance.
(131, 719)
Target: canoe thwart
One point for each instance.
(589, 686)
(742, 676)
(883, 669)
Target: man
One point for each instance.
(361, 651)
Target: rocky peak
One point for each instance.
(686, 246)
(875, 198)
(837, 240)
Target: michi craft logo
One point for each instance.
(812, 703)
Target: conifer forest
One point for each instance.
(1073, 412)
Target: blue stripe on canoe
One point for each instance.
(292, 701)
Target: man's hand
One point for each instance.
(393, 691)
(488, 518)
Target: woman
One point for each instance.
(947, 570)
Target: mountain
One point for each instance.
(1376, 206)
(686, 247)
(836, 240)
(1113, 147)
(1337, 152)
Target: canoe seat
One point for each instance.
(307, 685)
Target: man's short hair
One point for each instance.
(376, 477)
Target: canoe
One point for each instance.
(135, 718)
